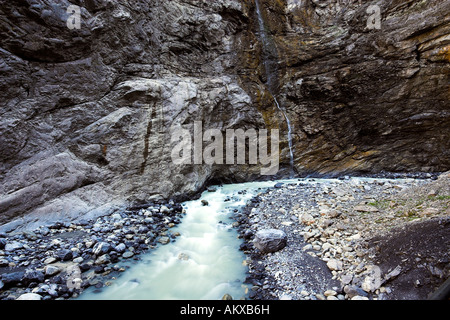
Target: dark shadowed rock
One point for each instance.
(13, 278)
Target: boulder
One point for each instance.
(101, 248)
(13, 278)
(270, 240)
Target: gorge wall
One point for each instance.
(87, 114)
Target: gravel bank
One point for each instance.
(344, 239)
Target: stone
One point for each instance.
(164, 240)
(270, 240)
(12, 246)
(334, 265)
(121, 247)
(333, 213)
(372, 280)
(359, 298)
(50, 260)
(32, 275)
(116, 217)
(365, 208)
(428, 212)
(183, 256)
(103, 259)
(307, 219)
(29, 296)
(127, 254)
(330, 293)
(394, 273)
(353, 291)
(51, 270)
(101, 248)
(164, 210)
(4, 262)
(78, 260)
(204, 202)
(64, 254)
(12, 278)
(346, 279)
(227, 297)
(278, 185)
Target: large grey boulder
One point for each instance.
(270, 240)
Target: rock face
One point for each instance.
(361, 96)
(87, 114)
(270, 240)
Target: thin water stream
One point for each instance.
(271, 65)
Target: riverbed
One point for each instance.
(203, 263)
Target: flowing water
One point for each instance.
(270, 66)
(203, 263)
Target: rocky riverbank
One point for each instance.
(61, 260)
(350, 239)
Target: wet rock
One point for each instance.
(120, 248)
(13, 278)
(101, 248)
(64, 254)
(227, 297)
(51, 270)
(2, 243)
(270, 240)
(127, 254)
(32, 275)
(183, 256)
(103, 259)
(278, 185)
(164, 240)
(4, 262)
(164, 210)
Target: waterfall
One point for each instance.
(270, 66)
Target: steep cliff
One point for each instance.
(87, 113)
(365, 83)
